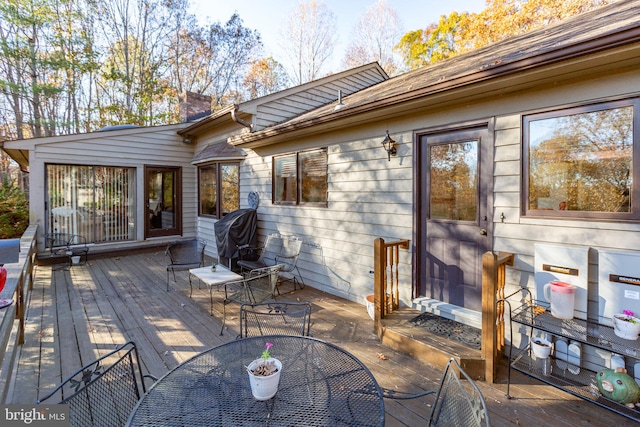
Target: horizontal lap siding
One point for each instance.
(519, 234)
(159, 146)
(369, 197)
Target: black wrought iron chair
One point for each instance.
(183, 256)
(458, 400)
(275, 318)
(277, 250)
(259, 286)
(66, 246)
(103, 392)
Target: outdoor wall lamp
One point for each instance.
(390, 146)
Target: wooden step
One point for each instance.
(397, 333)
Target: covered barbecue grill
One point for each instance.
(237, 228)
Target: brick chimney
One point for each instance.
(193, 106)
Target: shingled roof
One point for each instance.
(604, 28)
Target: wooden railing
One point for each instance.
(385, 277)
(19, 284)
(494, 268)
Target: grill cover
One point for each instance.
(237, 228)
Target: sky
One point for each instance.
(266, 16)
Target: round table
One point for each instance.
(320, 385)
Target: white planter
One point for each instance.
(540, 347)
(75, 259)
(370, 305)
(369, 301)
(625, 329)
(264, 388)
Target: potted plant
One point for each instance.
(541, 347)
(264, 375)
(626, 325)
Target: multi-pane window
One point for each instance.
(579, 162)
(219, 189)
(300, 178)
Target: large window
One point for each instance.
(300, 178)
(219, 187)
(579, 162)
(96, 202)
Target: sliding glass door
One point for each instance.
(97, 202)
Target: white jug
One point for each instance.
(561, 296)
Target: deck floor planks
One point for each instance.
(132, 324)
(191, 312)
(174, 329)
(128, 296)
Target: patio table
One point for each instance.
(219, 277)
(320, 384)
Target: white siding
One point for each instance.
(159, 146)
(369, 197)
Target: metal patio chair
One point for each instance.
(183, 256)
(103, 392)
(67, 245)
(277, 250)
(275, 318)
(457, 402)
(258, 286)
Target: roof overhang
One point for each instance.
(21, 157)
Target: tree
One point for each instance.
(14, 210)
(213, 60)
(44, 50)
(69, 66)
(265, 76)
(308, 37)
(374, 37)
(505, 18)
(460, 32)
(433, 44)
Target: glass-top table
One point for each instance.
(321, 384)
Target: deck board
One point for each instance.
(75, 315)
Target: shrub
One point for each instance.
(14, 210)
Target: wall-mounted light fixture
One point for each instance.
(390, 146)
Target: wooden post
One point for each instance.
(379, 265)
(489, 274)
(493, 283)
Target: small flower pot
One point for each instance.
(541, 348)
(264, 387)
(624, 328)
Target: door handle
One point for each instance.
(483, 232)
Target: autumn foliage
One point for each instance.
(457, 32)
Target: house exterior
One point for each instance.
(528, 146)
(128, 186)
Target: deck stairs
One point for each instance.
(398, 333)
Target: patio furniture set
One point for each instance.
(320, 383)
(276, 263)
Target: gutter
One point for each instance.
(237, 119)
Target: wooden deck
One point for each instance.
(75, 315)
